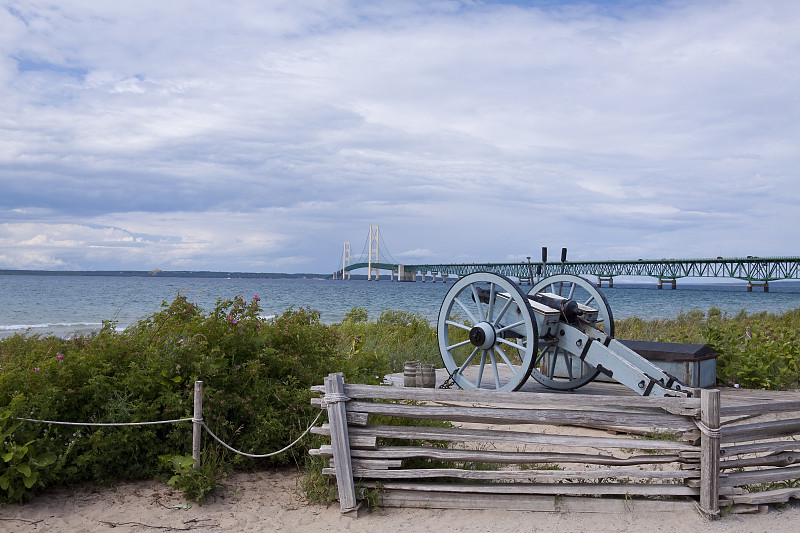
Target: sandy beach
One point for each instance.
(273, 501)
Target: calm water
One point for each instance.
(65, 305)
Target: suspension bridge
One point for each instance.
(756, 271)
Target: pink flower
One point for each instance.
(255, 297)
(36, 369)
(60, 356)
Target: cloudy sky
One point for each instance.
(253, 135)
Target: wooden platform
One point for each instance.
(729, 395)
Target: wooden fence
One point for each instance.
(549, 451)
(759, 451)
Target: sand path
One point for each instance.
(272, 501)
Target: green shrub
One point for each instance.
(761, 350)
(19, 471)
(196, 483)
(257, 376)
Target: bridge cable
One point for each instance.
(364, 254)
(339, 264)
(392, 259)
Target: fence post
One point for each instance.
(709, 452)
(340, 441)
(197, 419)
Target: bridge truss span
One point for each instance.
(756, 271)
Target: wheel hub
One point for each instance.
(482, 335)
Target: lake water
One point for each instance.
(65, 305)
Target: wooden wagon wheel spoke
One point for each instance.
(508, 363)
(495, 369)
(491, 302)
(458, 344)
(510, 326)
(477, 299)
(464, 308)
(481, 367)
(509, 343)
(541, 356)
(568, 364)
(458, 325)
(502, 312)
(551, 364)
(467, 361)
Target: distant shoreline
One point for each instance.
(283, 275)
(164, 274)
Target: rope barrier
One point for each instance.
(713, 433)
(255, 456)
(335, 397)
(261, 456)
(197, 421)
(103, 423)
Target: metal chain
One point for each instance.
(450, 381)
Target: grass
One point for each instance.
(760, 350)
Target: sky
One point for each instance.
(259, 136)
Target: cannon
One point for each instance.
(494, 336)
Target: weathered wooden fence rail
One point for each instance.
(548, 451)
(760, 454)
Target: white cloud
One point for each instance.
(257, 136)
(417, 253)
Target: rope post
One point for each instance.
(197, 423)
(709, 452)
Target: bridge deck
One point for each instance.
(751, 269)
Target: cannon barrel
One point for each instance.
(570, 309)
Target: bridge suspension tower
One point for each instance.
(345, 259)
(374, 238)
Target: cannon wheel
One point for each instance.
(486, 321)
(571, 373)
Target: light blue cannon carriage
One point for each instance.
(492, 335)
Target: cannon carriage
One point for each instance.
(494, 336)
